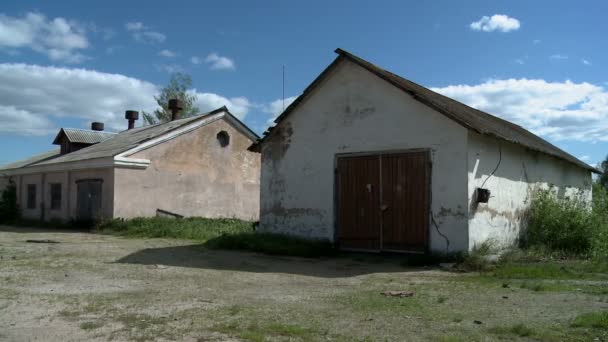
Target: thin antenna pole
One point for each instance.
(283, 88)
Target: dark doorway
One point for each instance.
(88, 202)
(383, 201)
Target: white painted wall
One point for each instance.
(520, 172)
(355, 111)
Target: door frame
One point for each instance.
(379, 153)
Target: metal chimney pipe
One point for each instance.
(132, 116)
(97, 126)
(175, 106)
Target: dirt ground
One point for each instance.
(96, 287)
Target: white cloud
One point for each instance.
(557, 110)
(167, 53)
(520, 61)
(239, 106)
(497, 22)
(536, 41)
(58, 38)
(275, 108)
(195, 60)
(169, 68)
(134, 26)
(32, 97)
(586, 62)
(217, 62)
(585, 158)
(558, 56)
(23, 122)
(144, 34)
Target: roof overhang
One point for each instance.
(98, 163)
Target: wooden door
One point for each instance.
(383, 201)
(88, 200)
(405, 195)
(358, 183)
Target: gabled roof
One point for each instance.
(83, 136)
(125, 141)
(471, 118)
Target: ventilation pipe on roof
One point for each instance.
(97, 126)
(132, 116)
(175, 106)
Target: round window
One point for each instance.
(223, 138)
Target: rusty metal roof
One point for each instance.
(471, 118)
(82, 136)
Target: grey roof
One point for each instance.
(471, 118)
(83, 136)
(126, 140)
(32, 160)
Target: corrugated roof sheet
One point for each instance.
(471, 118)
(32, 160)
(83, 136)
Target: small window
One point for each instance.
(56, 196)
(31, 196)
(223, 138)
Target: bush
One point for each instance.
(9, 209)
(193, 228)
(567, 225)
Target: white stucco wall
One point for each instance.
(355, 111)
(520, 172)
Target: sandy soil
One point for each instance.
(96, 287)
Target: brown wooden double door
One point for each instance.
(383, 201)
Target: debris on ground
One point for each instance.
(42, 241)
(477, 322)
(400, 294)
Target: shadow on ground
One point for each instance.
(197, 256)
(29, 230)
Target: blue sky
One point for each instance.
(65, 64)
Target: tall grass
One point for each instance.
(194, 228)
(567, 224)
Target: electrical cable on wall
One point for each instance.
(496, 168)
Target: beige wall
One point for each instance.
(520, 172)
(68, 192)
(192, 175)
(355, 111)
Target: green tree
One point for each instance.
(603, 177)
(177, 88)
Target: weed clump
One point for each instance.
(568, 225)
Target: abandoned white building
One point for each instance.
(196, 166)
(372, 161)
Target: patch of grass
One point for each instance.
(139, 321)
(536, 287)
(193, 228)
(273, 244)
(596, 320)
(477, 259)
(91, 325)
(372, 302)
(258, 332)
(520, 330)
